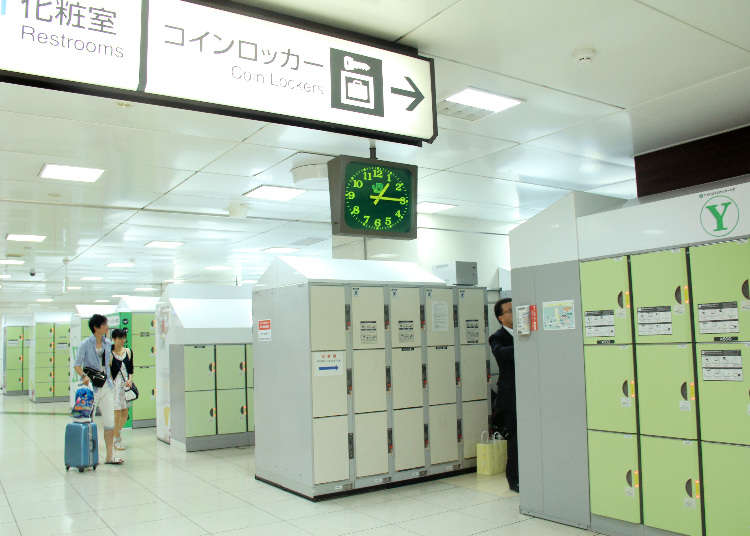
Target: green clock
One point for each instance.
(373, 198)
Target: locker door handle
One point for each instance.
(684, 390)
(629, 478)
(242, 366)
(625, 388)
(212, 412)
(689, 487)
(678, 294)
(621, 300)
(746, 288)
(210, 367)
(243, 410)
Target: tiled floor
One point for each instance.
(162, 491)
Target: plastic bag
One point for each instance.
(492, 454)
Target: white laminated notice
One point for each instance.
(679, 309)
(472, 331)
(599, 323)
(721, 358)
(690, 502)
(626, 402)
(328, 363)
(684, 405)
(523, 320)
(723, 375)
(368, 331)
(719, 317)
(655, 320)
(441, 316)
(629, 491)
(406, 333)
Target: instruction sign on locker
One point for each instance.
(471, 316)
(368, 310)
(439, 316)
(406, 329)
(605, 296)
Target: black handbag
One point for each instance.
(98, 378)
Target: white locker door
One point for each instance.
(368, 317)
(406, 378)
(331, 449)
(473, 422)
(408, 438)
(443, 434)
(371, 444)
(441, 375)
(406, 325)
(327, 318)
(473, 372)
(438, 310)
(329, 394)
(471, 316)
(368, 380)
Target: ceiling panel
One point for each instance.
(310, 141)
(624, 189)
(248, 160)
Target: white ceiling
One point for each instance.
(665, 71)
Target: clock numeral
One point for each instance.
(350, 195)
(403, 201)
(367, 219)
(377, 223)
(355, 210)
(388, 222)
(367, 176)
(399, 186)
(378, 173)
(398, 213)
(358, 183)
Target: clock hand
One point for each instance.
(385, 198)
(380, 195)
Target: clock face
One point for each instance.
(378, 198)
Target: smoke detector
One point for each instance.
(584, 55)
(237, 210)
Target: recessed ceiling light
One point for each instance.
(4, 276)
(102, 301)
(280, 251)
(25, 238)
(174, 281)
(70, 173)
(426, 207)
(14, 262)
(145, 289)
(163, 244)
(217, 268)
(92, 278)
(484, 100)
(74, 288)
(384, 256)
(121, 265)
(249, 281)
(274, 193)
(44, 300)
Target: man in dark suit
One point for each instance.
(501, 343)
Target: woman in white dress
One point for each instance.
(122, 374)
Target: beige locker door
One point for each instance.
(406, 378)
(368, 317)
(408, 438)
(438, 311)
(441, 375)
(327, 318)
(406, 326)
(443, 434)
(473, 423)
(371, 444)
(471, 316)
(368, 380)
(329, 395)
(473, 372)
(330, 449)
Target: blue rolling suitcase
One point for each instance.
(82, 438)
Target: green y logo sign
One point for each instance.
(720, 215)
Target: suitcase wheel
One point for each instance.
(80, 469)
(67, 467)
(94, 467)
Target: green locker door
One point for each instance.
(666, 390)
(230, 366)
(726, 475)
(660, 296)
(143, 350)
(44, 374)
(250, 410)
(145, 407)
(721, 292)
(724, 392)
(605, 296)
(44, 332)
(250, 364)
(13, 354)
(62, 385)
(232, 408)
(13, 333)
(200, 413)
(13, 381)
(143, 323)
(613, 476)
(200, 368)
(44, 389)
(610, 388)
(671, 485)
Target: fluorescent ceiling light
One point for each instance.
(426, 207)
(274, 193)
(384, 256)
(174, 281)
(74, 288)
(92, 278)
(120, 265)
(246, 250)
(145, 289)
(4, 276)
(87, 311)
(280, 251)
(119, 295)
(484, 100)
(25, 238)
(163, 244)
(13, 262)
(249, 281)
(44, 300)
(70, 173)
(102, 301)
(218, 268)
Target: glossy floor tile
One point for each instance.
(163, 491)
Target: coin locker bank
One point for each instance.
(16, 352)
(49, 358)
(367, 373)
(204, 366)
(665, 309)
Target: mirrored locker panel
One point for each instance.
(721, 291)
(610, 388)
(613, 476)
(406, 325)
(371, 443)
(406, 378)
(725, 485)
(443, 432)
(661, 297)
(671, 485)
(666, 390)
(471, 316)
(250, 410)
(605, 299)
(474, 422)
(143, 323)
(368, 380)
(231, 408)
(330, 449)
(329, 385)
(230, 366)
(438, 310)
(724, 371)
(327, 318)
(408, 438)
(368, 317)
(441, 374)
(145, 407)
(144, 350)
(200, 368)
(200, 413)
(473, 359)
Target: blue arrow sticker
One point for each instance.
(328, 368)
